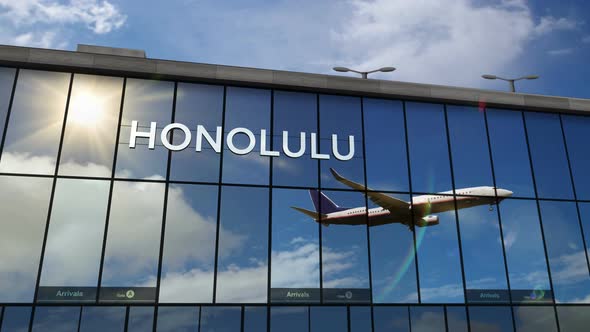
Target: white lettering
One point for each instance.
(314, 146)
(135, 134)
(202, 132)
(263, 151)
(288, 152)
(233, 148)
(166, 141)
(350, 148)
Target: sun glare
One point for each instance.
(86, 110)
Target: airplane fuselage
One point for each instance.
(421, 208)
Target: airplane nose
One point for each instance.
(505, 193)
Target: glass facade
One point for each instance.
(134, 204)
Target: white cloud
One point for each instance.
(44, 23)
(509, 239)
(561, 51)
(426, 46)
(549, 24)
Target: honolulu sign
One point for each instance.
(215, 143)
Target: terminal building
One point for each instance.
(139, 194)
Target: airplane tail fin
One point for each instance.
(322, 203)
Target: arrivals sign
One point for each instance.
(202, 137)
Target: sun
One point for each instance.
(86, 109)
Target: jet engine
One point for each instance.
(427, 221)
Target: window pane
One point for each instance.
(146, 101)
(576, 129)
(469, 147)
(57, 319)
(220, 319)
(16, 319)
(573, 319)
(525, 254)
(91, 126)
(385, 145)
(483, 258)
(295, 260)
(25, 202)
(439, 264)
(295, 113)
(74, 241)
(456, 319)
(34, 129)
(341, 116)
(490, 319)
(550, 166)
(254, 319)
(189, 244)
(345, 253)
(535, 319)
(141, 319)
(243, 245)
(289, 319)
(328, 319)
(387, 319)
(392, 260)
(429, 153)
(360, 319)
(512, 167)
(197, 104)
(181, 319)
(250, 109)
(565, 248)
(133, 242)
(98, 319)
(6, 83)
(427, 319)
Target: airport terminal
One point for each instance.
(140, 194)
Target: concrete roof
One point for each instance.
(166, 69)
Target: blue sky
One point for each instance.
(451, 42)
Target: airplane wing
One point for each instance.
(385, 201)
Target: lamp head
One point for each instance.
(489, 77)
(341, 69)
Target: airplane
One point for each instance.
(394, 210)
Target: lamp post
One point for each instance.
(364, 74)
(510, 80)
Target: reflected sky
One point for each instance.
(34, 131)
(296, 113)
(534, 319)
(576, 130)
(550, 166)
(6, 83)
(242, 274)
(385, 145)
(220, 319)
(74, 240)
(133, 239)
(328, 319)
(429, 154)
(344, 249)
(16, 319)
(189, 244)
(295, 241)
(341, 116)
(145, 101)
(289, 319)
(427, 319)
(510, 155)
(565, 248)
(387, 319)
(393, 262)
(98, 319)
(178, 319)
(492, 319)
(197, 104)
(439, 262)
(523, 244)
(25, 202)
(58, 319)
(248, 108)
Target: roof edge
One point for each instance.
(146, 67)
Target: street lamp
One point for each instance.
(510, 80)
(364, 74)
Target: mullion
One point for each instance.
(8, 111)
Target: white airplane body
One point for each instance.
(419, 212)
